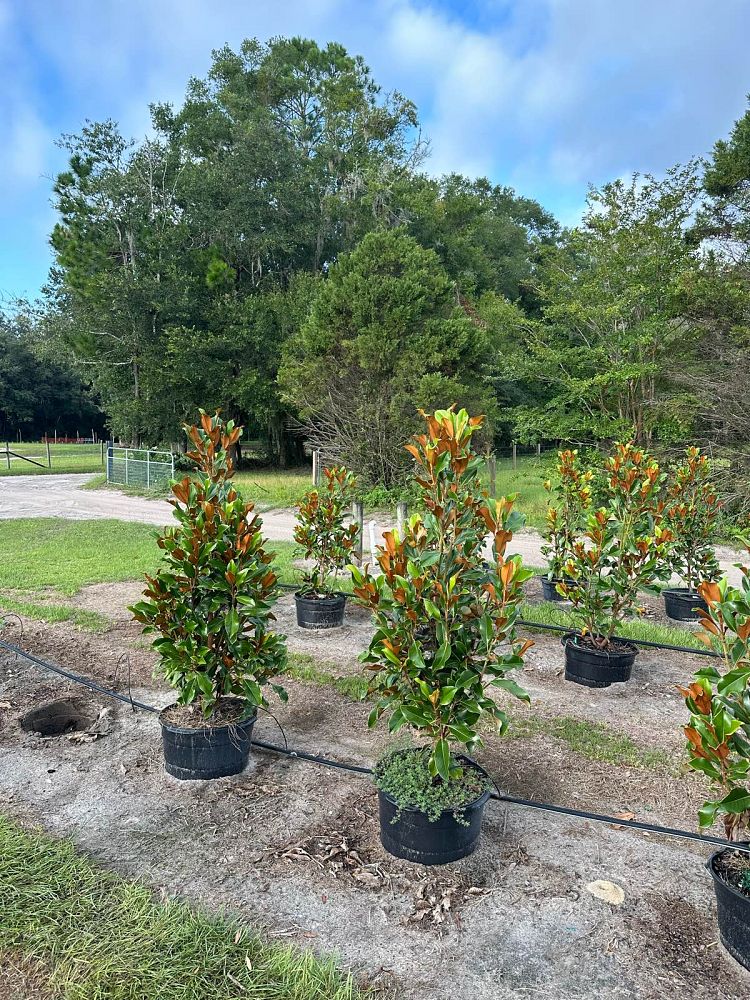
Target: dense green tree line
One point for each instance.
(277, 249)
(39, 394)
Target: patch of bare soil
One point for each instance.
(294, 848)
(20, 980)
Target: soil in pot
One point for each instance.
(422, 819)
(731, 874)
(320, 611)
(683, 605)
(592, 666)
(197, 749)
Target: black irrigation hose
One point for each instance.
(75, 677)
(636, 642)
(358, 769)
(542, 626)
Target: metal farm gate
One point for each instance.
(142, 467)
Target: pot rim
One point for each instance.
(480, 800)
(682, 592)
(334, 598)
(717, 878)
(569, 640)
(252, 717)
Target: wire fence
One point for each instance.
(143, 467)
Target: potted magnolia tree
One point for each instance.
(210, 605)
(445, 637)
(327, 543)
(570, 499)
(621, 552)
(691, 512)
(718, 736)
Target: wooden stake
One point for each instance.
(358, 516)
(402, 513)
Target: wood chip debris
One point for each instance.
(98, 728)
(435, 900)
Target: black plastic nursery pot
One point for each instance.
(204, 752)
(320, 612)
(683, 605)
(548, 588)
(414, 837)
(596, 667)
(733, 912)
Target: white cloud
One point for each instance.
(542, 94)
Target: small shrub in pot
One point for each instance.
(445, 636)
(621, 552)
(210, 605)
(327, 543)
(718, 736)
(691, 510)
(570, 499)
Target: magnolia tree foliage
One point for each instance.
(445, 620)
(718, 733)
(210, 604)
(624, 548)
(321, 530)
(570, 499)
(691, 509)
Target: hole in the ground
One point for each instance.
(58, 718)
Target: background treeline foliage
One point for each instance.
(38, 394)
(276, 249)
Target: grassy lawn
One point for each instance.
(90, 934)
(547, 613)
(65, 458)
(59, 557)
(527, 480)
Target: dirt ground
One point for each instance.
(294, 847)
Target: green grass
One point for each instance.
(526, 480)
(93, 935)
(269, 489)
(65, 458)
(302, 667)
(547, 613)
(52, 554)
(590, 739)
(89, 621)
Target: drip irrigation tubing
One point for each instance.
(570, 630)
(84, 681)
(497, 795)
(636, 642)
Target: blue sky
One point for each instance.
(545, 95)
